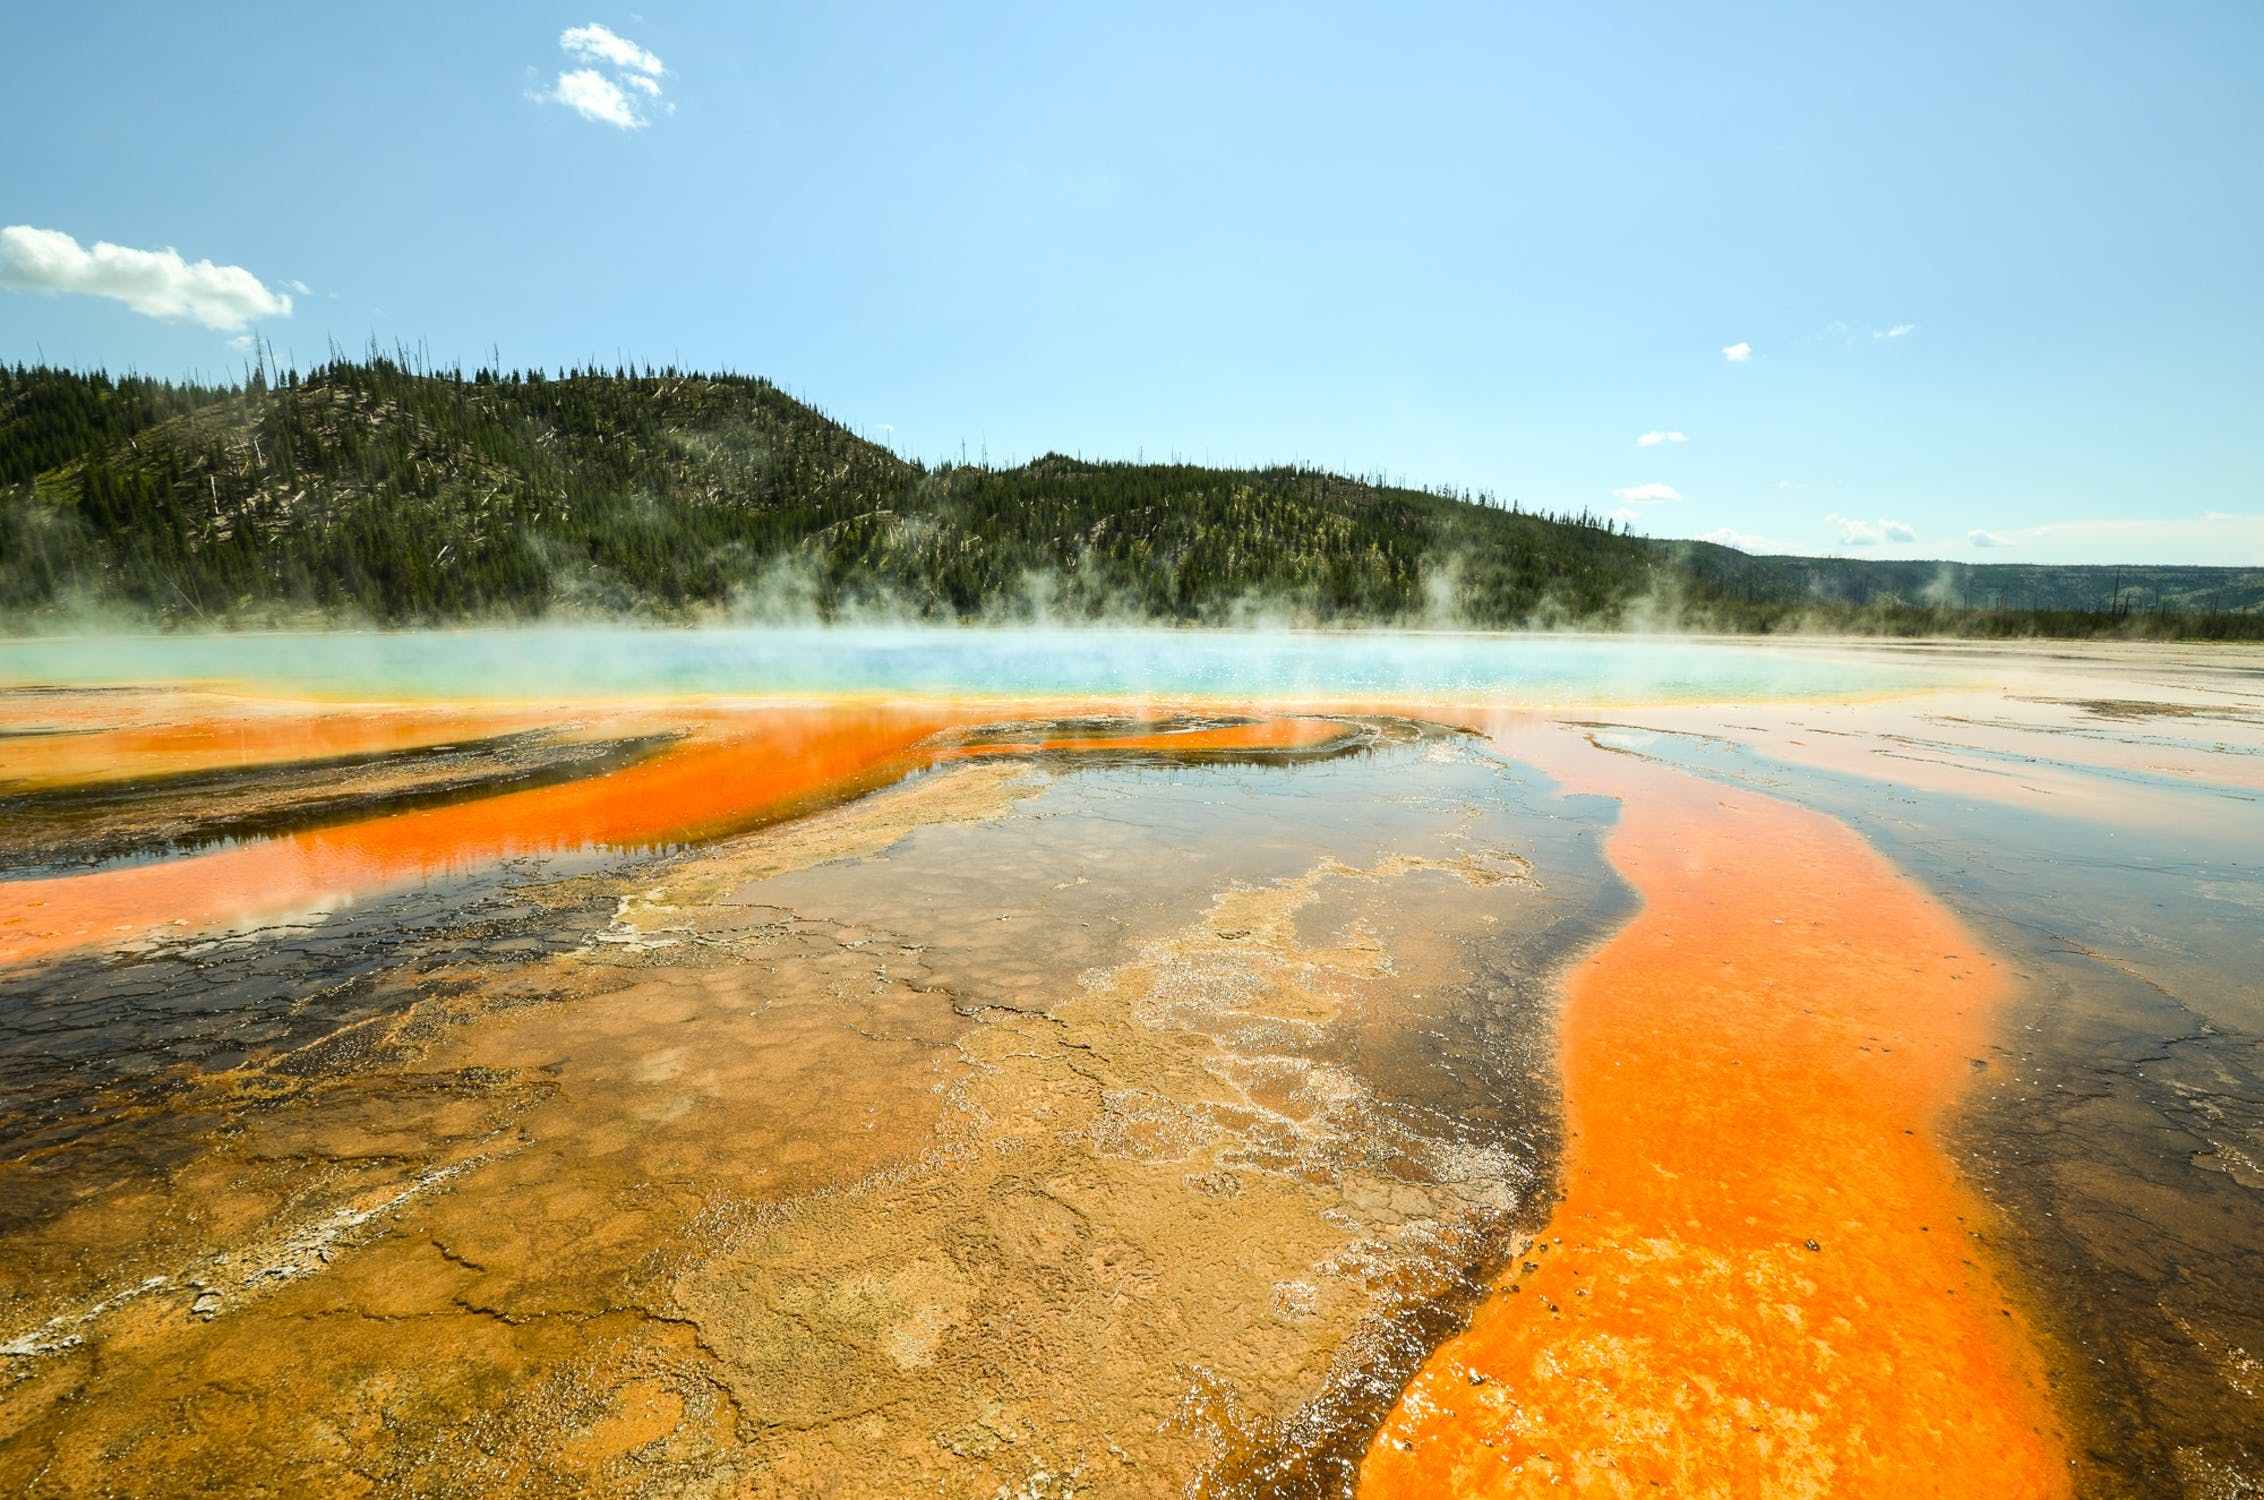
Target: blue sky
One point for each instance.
(1486, 245)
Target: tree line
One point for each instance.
(381, 489)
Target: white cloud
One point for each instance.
(594, 97)
(155, 283)
(1900, 330)
(300, 287)
(242, 343)
(1644, 494)
(621, 99)
(598, 44)
(1860, 533)
(1737, 353)
(1987, 539)
(1743, 541)
(1653, 439)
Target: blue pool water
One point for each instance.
(605, 661)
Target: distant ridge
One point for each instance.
(372, 491)
(2129, 589)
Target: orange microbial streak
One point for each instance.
(1764, 1278)
(734, 770)
(245, 734)
(729, 775)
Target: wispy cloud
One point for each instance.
(1850, 335)
(1737, 353)
(620, 84)
(1653, 439)
(1646, 494)
(600, 44)
(1860, 533)
(1743, 541)
(155, 283)
(300, 287)
(1979, 538)
(2211, 537)
(596, 98)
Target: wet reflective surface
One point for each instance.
(1738, 1088)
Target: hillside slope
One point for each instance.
(367, 490)
(400, 496)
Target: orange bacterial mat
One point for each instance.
(1765, 1277)
(731, 776)
(734, 770)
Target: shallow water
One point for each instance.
(1123, 1063)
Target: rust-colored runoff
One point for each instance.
(734, 769)
(158, 733)
(727, 774)
(1765, 1277)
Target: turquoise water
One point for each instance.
(581, 662)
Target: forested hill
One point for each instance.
(370, 491)
(367, 489)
